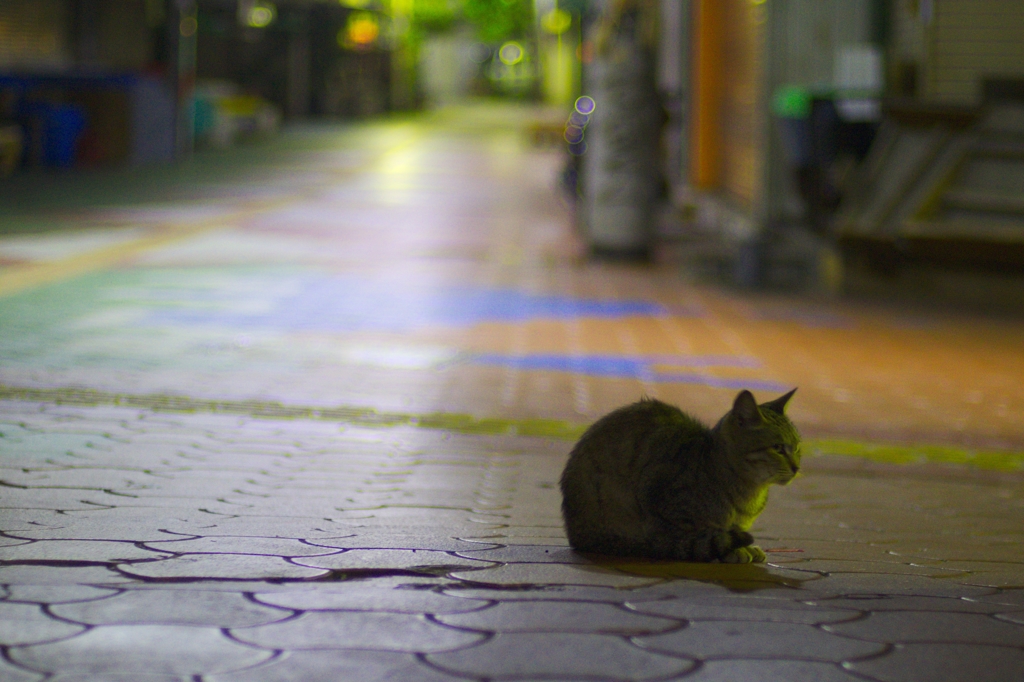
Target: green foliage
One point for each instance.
(434, 16)
(498, 20)
(494, 20)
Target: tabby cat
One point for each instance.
(648, 480)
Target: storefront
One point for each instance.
(84, 83)
(728, 123)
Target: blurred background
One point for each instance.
(800, 144)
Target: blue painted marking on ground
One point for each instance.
(344, 304)
(635, 367)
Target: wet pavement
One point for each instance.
(305, 421)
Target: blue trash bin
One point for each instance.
(63, 128)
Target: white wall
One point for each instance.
(812, 32)
(446, 69)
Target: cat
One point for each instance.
(648, 480)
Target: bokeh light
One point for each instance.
(556, 21)
(586, 105)
(261, 17)
(511, 53)
(361, 31)
(188, 26)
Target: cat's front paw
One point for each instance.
(751, 554)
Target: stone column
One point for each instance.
(621, 171)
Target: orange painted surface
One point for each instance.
(709, 28)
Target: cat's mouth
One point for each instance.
(788, 474)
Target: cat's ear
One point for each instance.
(779, 404)
(744, 409)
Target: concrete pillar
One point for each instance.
(621, 170)
(673, 82)
(184, 28)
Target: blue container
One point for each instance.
(63, 128)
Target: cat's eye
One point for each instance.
(783, 449)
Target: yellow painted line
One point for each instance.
(14, 279)
(17, 278)
(888, 453)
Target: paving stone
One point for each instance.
(119, 678)
(17, 521)
(559, 656)
(739, 639)
(60, 575)
(837, 566)
(171, 607)
(738, 577)
(529, 537)
(12, 673)
(886, 602)
(995, 575)
(553, 574)
(237, 566)
(389, 580)
(282, 547)
(560, 616)
(944, 663)
(116, 480)
(141, 649)
(337, 666)
(299, 528)
(827, 549)
(362, 596)
(787, 671)
(56, 499)
(1012, 617)
(529, 554)
(458, 522)
(28, 624)
(733, 608)
(607, 595)
(390, 559)
(401, 540)
(77, 550)
(700, 589)
(1014, 597)
(11, 542)
(55, 594)
(122, 524)
(841, 584)
(961, 555)
(915, 626)
(358, 630)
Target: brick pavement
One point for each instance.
(309, 426)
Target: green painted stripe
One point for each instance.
(463, 423)
(889, 453)
(362, 416)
